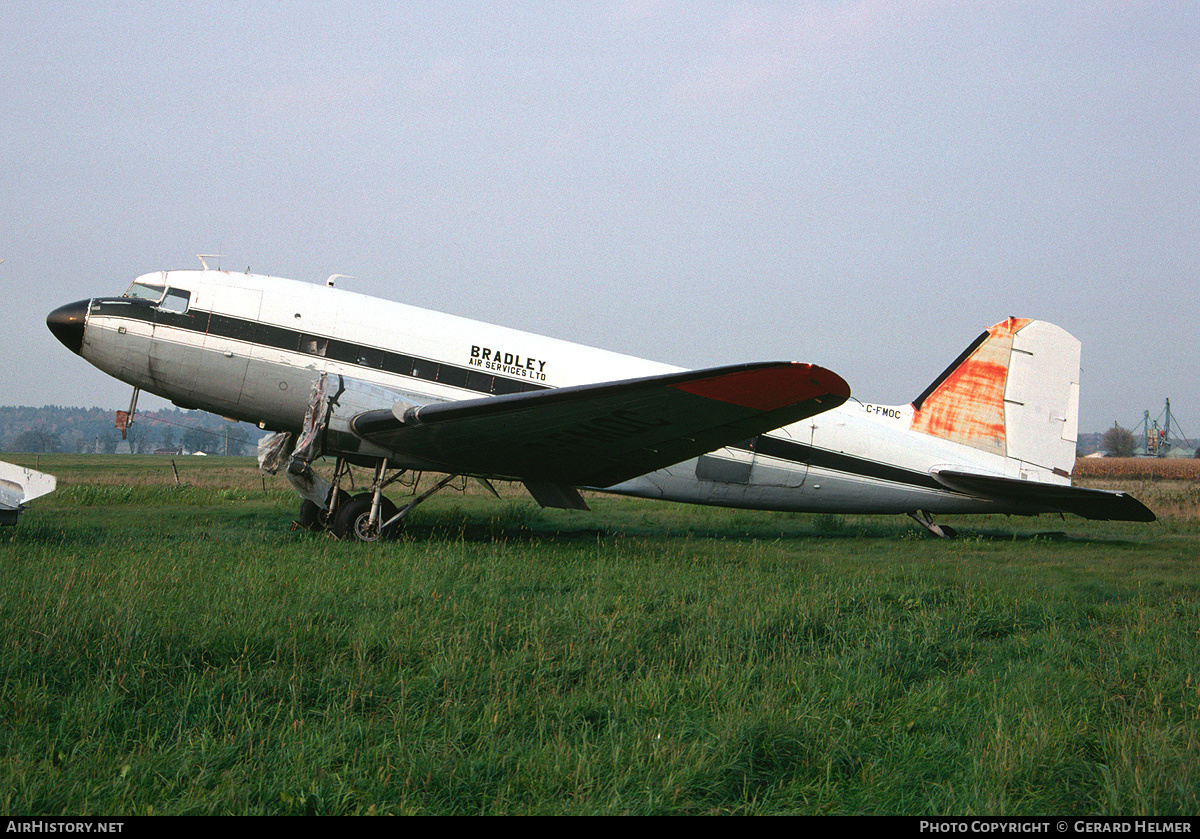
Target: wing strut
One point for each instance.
(411, 505)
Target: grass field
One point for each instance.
(179, 649)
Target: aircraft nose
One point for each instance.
(66, 322)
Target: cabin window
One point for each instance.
(501, 386)
(423, 369)
(400, 364)
(479, 382)
(146, 291)
(314, 345)
(176, 300)
(453, 376)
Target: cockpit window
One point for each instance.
(176, 300)
(145, 291)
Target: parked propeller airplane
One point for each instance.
(376, 383)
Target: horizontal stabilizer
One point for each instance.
(1096, 504)
(18, 485)
(602, 434)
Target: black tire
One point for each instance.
(351, 522)
(313, 518)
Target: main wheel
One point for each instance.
(353, 519)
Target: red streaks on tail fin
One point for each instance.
(966, 403)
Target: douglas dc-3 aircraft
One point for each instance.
(376, 383)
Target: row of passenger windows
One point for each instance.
(177, 300)
(404, 365)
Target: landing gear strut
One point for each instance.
(942, 531)
(316, 518)
(368, 516)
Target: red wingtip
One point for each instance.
(771, 388)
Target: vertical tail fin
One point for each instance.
(1014, 392)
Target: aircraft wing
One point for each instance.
(601, 434)
(1096, 504)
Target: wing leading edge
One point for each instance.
(602, 434)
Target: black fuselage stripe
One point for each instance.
(375, 358)
(321, 346)
(804, 455)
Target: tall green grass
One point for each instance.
(202, 657)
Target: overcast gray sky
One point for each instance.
(863, 184)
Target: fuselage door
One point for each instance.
(780, 459)
(232, 331)
(176, 338)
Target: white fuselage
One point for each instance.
(250, 347)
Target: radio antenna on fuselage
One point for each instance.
(203, 256)
(333, 277)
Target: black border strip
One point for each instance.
(307, 343)
(802, 454)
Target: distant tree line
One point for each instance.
(1123, 442)
(74, 430)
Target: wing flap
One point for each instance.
(1095, 504)
(602, 434)
(556, 495)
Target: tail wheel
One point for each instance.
(352, 521)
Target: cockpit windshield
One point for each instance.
(146, 291)
(176, 300)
